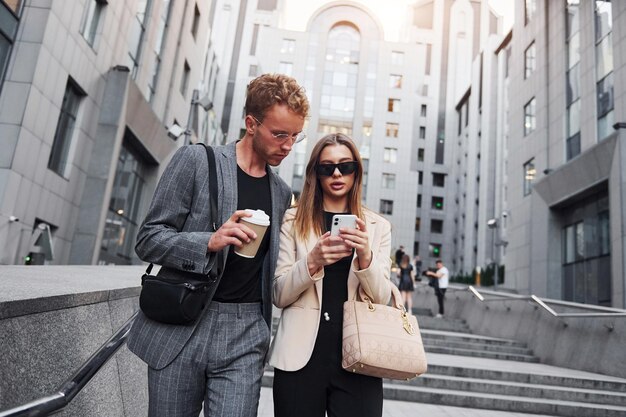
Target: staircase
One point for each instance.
(479, 372)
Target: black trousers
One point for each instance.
(440, 293)
(323, 386)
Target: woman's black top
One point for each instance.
(335, 288)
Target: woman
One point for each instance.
(316, 273)
(406, 282)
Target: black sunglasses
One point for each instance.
(326, 170)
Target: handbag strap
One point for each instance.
(396, 297)
(210, 155)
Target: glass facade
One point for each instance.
(158, 46)
(530, 60)
(604, 66)
(123, 217)
(530, 116)
(60, 152)
(572, 134)
(529, 176)
(586, 254)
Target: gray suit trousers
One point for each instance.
(221, 365)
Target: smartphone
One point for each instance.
(342, 220)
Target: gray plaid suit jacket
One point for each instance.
(176, 233)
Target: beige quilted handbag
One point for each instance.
(381, 341)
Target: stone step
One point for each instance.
(518, 389)
(480, 353)
(492, 401)
(470, 338)
(477, 346)
(538, 377)
(445, 324)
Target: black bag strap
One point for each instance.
(210, 155)
(216, 272)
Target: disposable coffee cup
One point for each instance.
(259, 221)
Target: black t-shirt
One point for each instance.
(241, 282)
(335, 288)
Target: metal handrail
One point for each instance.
(53, 403)
(607, 311)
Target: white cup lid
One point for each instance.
(258, 217)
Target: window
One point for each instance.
(395, 81)
(158, 47)
(5, 49)
(422, 132)
(420, 155)
(285, 68)
(288, 46)
(391, 130)
(386, 206)
(604, 66)
(91, 21)
(420, 177)
(585, 250)
(389, 181)
(419, 201)
(530, 117)
(252, 72)
(530, 60)
(439, 180)
(436, 226)
(418, 221)
(397, 58)
(423, 110)
(184, 80)
(123, 216)
(529, 176)
(196, 22)
(437, 203)
(393, 105)
(255, 35)
(434, 250)
(390, 155)
(572, 77)
(530, 8)
(59, 154)
(137, 32)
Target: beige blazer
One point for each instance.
(300, 295)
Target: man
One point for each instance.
(219, 359)
(443, 276)
(399, 255)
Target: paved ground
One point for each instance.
(406, 409)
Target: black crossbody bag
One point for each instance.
(178, 297)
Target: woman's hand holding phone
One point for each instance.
(328, 250)
(358, 239)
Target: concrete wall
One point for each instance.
(52, 319)
(586, 344)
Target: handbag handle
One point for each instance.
(396, 302)
(396, 298)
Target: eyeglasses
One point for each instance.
(326, 170)
(282, 137)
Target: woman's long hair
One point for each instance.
(310, 213)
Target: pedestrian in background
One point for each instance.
(407, 275)
(442, 275)
(315, 275)
(399, 254)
